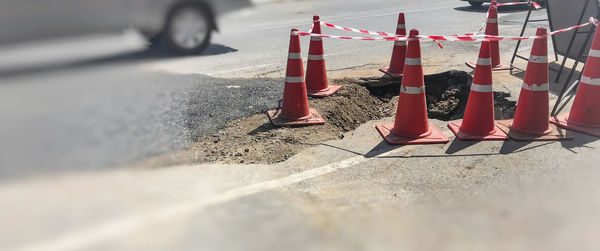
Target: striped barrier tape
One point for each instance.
(466, 37)
(380, 33)
(487, 15)
(377, 33)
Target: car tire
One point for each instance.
(475, 4)
(188, 29)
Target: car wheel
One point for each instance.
(188, 29)
(475, 4)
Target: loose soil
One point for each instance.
(255, 140)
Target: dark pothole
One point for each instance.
(447, 94)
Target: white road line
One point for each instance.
(238, 69)
(344, 18)
(113, 229)
(217, 73)
(391, 13)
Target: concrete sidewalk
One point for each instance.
(352, 194)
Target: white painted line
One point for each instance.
(392, 13)
(345, 18)
(85, 238)
(266, 65)
(239, 69)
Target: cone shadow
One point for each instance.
(262, 128)
(458, 145)
(512, 146)
(580, 141)
(379, 149)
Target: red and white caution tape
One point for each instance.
(376, 33)
(380, 33)
(594, 21)
(451, 37)
(353, 38)
(487, 15)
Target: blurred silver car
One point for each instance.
(186, 25)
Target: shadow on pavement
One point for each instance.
(379, 149)
(458, 145)
(579, 140)
(267, 126)
(154, 52)
(512, 146)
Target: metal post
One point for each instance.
(566, 55)
(512, 60)
(552, 29)
(564, 88)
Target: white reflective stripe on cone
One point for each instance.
(400, 43)
(412, 90)
(294, 33)
(594, 53)
(313, 38)
(316, 57)
(484, 61)
(590, 81)
(538, 59)
(536, 87)
(481, 88)
(412, 61)
(294, 56)
(293, 80)
(401, 26)
(492, 20)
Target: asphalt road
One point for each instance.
(113, 110)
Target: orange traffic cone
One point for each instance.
(411, 125)
(316, 75)
(399, 53)
(531, 120)
(585, 112)
(478, 122)
(294, 109)
(491, 28)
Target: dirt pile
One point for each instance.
(447, 94)
(255, 140)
